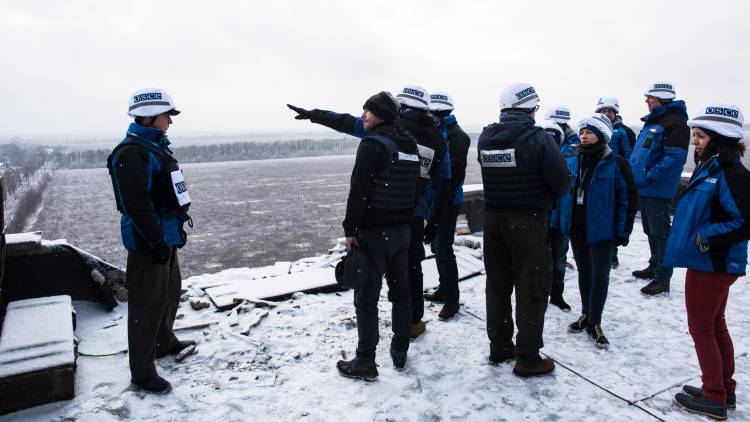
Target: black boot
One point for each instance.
(556, 298)
(701, 406)
(503, 354)
(435, 296)
(156, 385)
(357, 369)
(399, 359)
(645, 274)
(176, 348)
(596, 334)
(615, 261)
(579, 325)
(698, 392)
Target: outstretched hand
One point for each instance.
(302, 114)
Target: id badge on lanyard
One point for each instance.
(580, 192)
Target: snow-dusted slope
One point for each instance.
(285, 368)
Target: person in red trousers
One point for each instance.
(709, 237)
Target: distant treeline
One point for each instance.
(220, 152)
(20, 163)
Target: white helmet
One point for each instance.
(150, 102)
(607, 102)
(724, 119)
(599, 124)
(554, 129)
(559, 114)
(519, 95)
(441, 101)
(662, 90)
(414, 96)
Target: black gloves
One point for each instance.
(160, 253)
(622, 241)
(302, 114)
(430, 231)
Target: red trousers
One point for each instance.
(705, 299)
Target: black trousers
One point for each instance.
(517, 256)
(594, 263)
(416, 278)
(388, 247)
(445, 258)
(153, 297)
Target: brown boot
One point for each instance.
(448, 312)
(544, 366)
(417, 329)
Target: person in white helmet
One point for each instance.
(152, 196)
(557, 240)
(441, 106)
(561, 115)
(620, 142)
(657, 161)
(597, 213)
(709, 238)
(523, 172)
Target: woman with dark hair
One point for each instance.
(598, 213)
(709, 238)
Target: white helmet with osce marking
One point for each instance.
(414, 96)
(724, 119)
(607, 102)
(559, 114)
(519, 95)
(599, 124)
(554, 129)
(150, 102)
(662, 89)
(441, 101)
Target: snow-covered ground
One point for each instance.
(285, 368)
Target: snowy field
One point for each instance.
(285, 368)
(246, 213)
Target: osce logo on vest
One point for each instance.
(181, 187)
(721, 111)
(499, 158)
(149, 96)
(525, 93)
(415, 92)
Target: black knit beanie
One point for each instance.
(383, 105)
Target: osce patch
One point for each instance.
(499, 158)
(180, 188)
(407, 157)
(426, 156)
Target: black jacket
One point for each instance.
(458, 144)
(372, 158)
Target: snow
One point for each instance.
(284, 368)
(23, 240)
(47, 341)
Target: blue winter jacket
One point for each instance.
(619, 143)
(609, 208)
(141, 167)
(714, 205)
(570, 142)
(660, 151)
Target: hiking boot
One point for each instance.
(417, 329)
(500, 355)
(357, 369)
(596, 334)
(399, 359)
(177, 348)
(578, 326)
(645, 274)
(655, 288)
(701, 406)
(156, 385)
(698, 392)
(616, 262)
(560, 303)
(435, 296)
(448, 312)
(542, 367)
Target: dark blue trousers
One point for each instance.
(594, 263)
(656, 225)
(445, 259)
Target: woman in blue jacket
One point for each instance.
(709, 238)
(598, 213)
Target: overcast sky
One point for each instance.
(68, 67)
